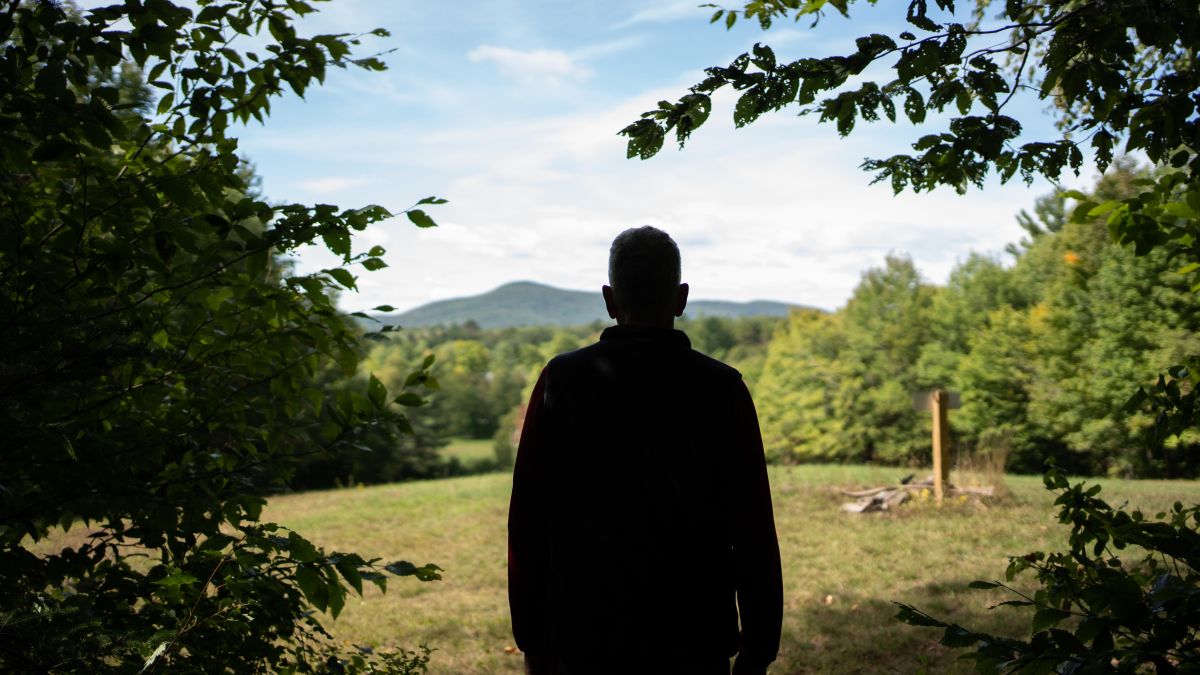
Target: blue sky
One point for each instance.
(510, 110)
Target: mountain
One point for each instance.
(525, 303)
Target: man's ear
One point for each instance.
(681, 299)
(610, 302)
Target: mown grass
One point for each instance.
(469, 450)
(841, 571)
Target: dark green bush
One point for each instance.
(1093, 611)
(161, 373)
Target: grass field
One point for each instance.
(841, 571)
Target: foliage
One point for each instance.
(1114, 71)
(1044, 352)
(1120, 75)
(1106, 81)
(162, 373)
(483, 377)
(1093, 612)
(845, 393)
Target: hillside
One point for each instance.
(525, 303)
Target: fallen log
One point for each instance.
(865, 493)
(889, 497)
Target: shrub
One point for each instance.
(1094, 612)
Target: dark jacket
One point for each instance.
(640, 521)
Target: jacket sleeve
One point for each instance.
(759, 577)
(528, 550)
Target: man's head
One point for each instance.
(643, 277)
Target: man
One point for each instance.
(640, 526)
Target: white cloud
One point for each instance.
(549, 65)
(538, 179)
(664, 12)
(777, 210)
(331, 185)
(609, 47)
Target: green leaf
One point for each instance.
(915, 617)
(312, 586)
(1082, 211)
(372, 264)
(1012, 603)
(166, 103)
(337, 241)
(432, 200)
(983, 584)
(160, 338)
(956, 636)
(70, 448)
(384, 308)
(336, 594)
(1135, 402)
(1090, 628)
(343, 277)
(1067, 641)
(301, 549)
(176, 577)
(402, 568)
(1047, 617)
(420, 218)
(1102, 208)
(377, 392)
(350, 573)
(410, 399)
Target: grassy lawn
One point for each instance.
(841, 571)
(469, 450)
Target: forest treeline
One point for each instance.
(483, 378)
(1046, 348)
(1045, 344)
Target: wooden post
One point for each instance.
(940, 403)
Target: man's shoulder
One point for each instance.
(584, 354)
(588, 356)
(718, 368)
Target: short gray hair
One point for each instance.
(644, 271)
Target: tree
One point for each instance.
(160, 375)
(1120, 75)
(800, 393)
(1113, 70)
(886, 324)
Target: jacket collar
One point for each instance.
(669, 337)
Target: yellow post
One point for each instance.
(940, 404)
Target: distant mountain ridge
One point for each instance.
(527, 303)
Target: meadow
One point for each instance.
(841, 571)
(469, 451)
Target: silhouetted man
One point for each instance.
(640, 525)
